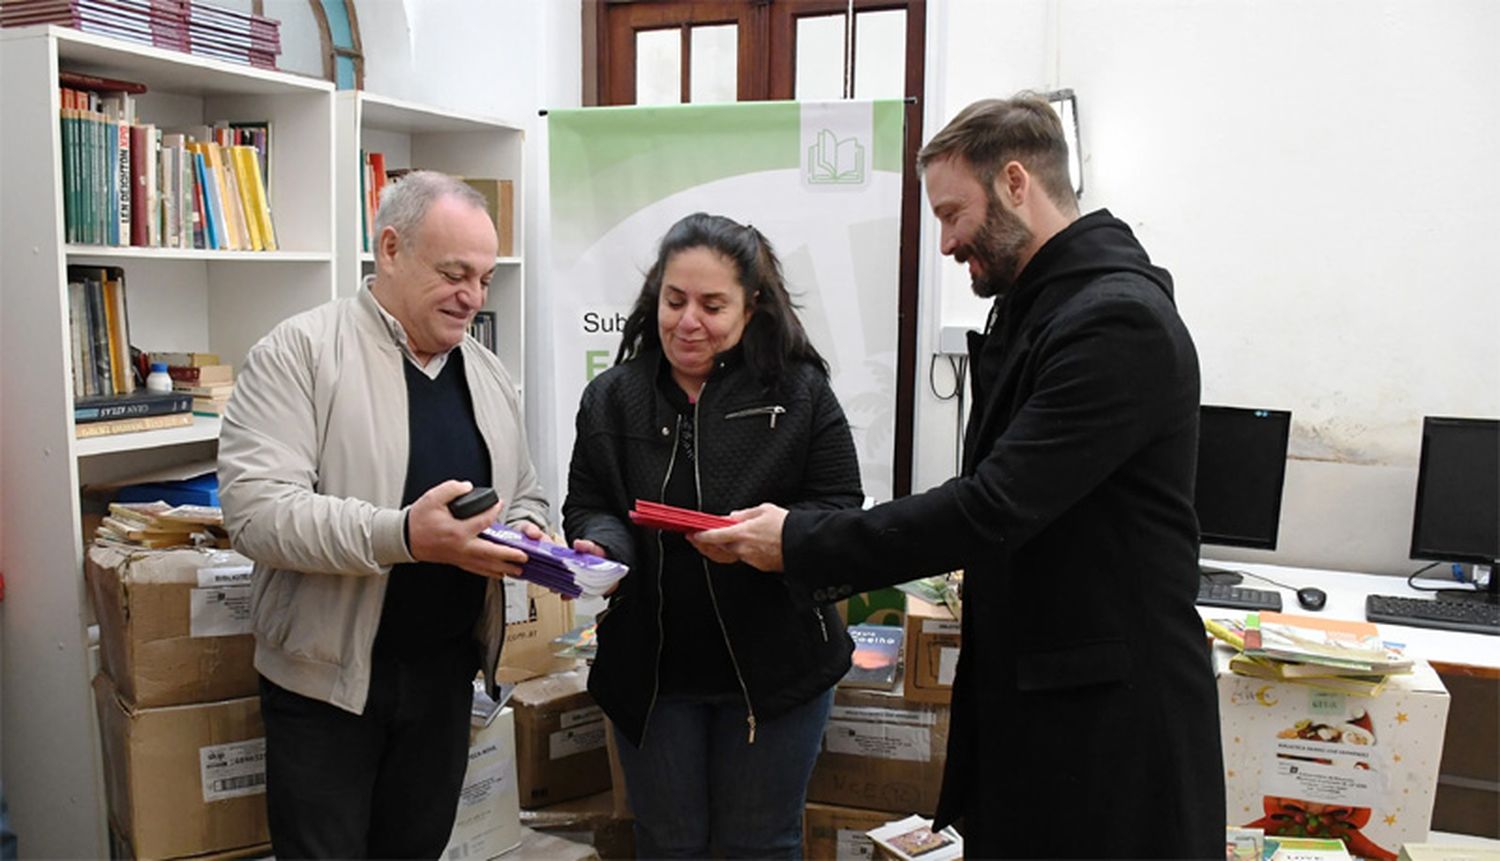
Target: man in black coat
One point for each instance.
(1084, 719)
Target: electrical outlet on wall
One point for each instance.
(953, 340)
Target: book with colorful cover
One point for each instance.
(877, 656)
(1341, 643)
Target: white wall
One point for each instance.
(1319, 176)
(508, 59)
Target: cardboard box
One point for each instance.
(119, 847)
(881, 752)
(1362, 768)
(591, 821)
(932, 642)
(500, 202)
(183, 780)
(560, 747)
(534, 617)
(174, 625)
(618, 789)
(838, 833)
(488, 822)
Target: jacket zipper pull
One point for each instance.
(750, 719)
(773, 420)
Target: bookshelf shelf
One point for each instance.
(203, 429)
(411, 135)
(176, 299)
(110, 252)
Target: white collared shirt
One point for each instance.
(434, 365)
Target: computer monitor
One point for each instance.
(1241, 470)
(1457, 517)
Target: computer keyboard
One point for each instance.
(1476, 617)
(1237, 597)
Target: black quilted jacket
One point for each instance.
(789, 445)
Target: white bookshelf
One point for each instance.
(419, 136)
(217, 301)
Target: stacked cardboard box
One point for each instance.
(534, 617)
(932, 644)
(560, 747)
(881, 752)
(488, 822)
(838, 833)
(179, 718)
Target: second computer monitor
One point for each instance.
(1241, 470)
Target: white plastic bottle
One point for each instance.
(158, 380)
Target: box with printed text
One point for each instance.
(881, 752)
(932, 644)
(560, 748)
(183, 780)
(1305, 761)
(174, 625)
(534, 616)
(488, 822)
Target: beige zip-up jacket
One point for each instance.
(312, 464)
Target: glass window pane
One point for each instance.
(820, 58)
(880, 54)
(713, 62)
(658, 67)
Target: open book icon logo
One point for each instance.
(831, 161)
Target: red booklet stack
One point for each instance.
(655, 515)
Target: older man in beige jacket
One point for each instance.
(351, 428)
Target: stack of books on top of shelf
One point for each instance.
(161, 23)
(1332, 654)
(202, 376)
(178, 25)
(128, 182)
(229, 34)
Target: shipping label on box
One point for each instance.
(1303, 761)
(174, 625)
(881, 752)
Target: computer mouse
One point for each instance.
(1311, 598)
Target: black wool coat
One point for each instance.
(789, 444)
(1084, 716)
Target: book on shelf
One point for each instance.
(200, 375)
(99, 332)
(877, 656)
(85, 430)
(138, 404)
(482, 327)
(98, 84)
(1348, 645)
(913, 838)
(500, 203)
(185, 359)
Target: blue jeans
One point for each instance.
(696, 783)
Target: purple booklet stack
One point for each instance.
(563, 570)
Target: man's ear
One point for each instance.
(1012, 183)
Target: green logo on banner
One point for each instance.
(831, 161)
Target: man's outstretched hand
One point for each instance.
(754, 540)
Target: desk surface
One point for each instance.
(1448, 651)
